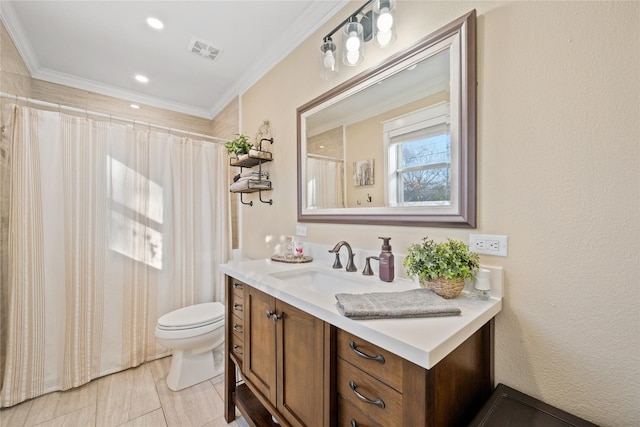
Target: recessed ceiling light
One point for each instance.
(142, 79)
(155, 23)
(135, 106)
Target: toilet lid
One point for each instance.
(192, 316)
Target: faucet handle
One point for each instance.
(367, 267)
(337, 263)
(351, 266)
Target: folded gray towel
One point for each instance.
(389, 305)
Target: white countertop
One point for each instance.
(423, 341)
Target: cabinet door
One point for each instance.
(260, 343)
(300, 367)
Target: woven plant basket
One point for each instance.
(444, 287)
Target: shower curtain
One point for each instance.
(325, 187)
(110, 226)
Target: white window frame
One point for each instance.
(423, 118)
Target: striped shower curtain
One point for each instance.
(110, 226)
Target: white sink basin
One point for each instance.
(339, 281)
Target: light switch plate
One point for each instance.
(301, 230)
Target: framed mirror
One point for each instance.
(396, 144)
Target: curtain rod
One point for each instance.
(321, 157)
(106, 116)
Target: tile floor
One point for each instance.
(137, 397)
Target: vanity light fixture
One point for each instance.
(377, 23)
(385, 22)
(329, 64)
(353, 42)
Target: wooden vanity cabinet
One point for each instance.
(309, 373)
(283, 364)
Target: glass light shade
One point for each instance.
(353, 44)
(385, 22)
(328, 60)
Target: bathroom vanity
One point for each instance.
(301, 362)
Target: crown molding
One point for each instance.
(115, 92)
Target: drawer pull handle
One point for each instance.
(237, 328)
(235, 349)
(354, 423)
(377, 358)
(238, 307)
(378, 402)
(238, 286)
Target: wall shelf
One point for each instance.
(250, 160)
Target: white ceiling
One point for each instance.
(101, 45)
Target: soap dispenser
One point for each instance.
(386, 264)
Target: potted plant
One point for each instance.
(239, 145)
(441, 267)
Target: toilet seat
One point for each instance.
(192, 317)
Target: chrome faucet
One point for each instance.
(336, 250)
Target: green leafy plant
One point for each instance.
(239, 145)
(451, 260)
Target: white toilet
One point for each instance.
(195, 334)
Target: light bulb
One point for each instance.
(385, 20)
(353, 42)
(384, 37)
(353, 56)
(329, 61)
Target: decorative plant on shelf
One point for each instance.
(239, 145)
(441, 267)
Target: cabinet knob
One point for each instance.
(378, 358)
(273, 316)
(378, 402)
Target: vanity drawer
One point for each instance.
(237, 326)
(350, 416)
(238, 288)
(236, 348)
(370, 396)
(237, 306)
(380, 363)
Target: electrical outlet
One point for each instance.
(488, 244)
(301, 230)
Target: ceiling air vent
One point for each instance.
(203, 48)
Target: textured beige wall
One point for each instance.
(558, 172)
(225, 125)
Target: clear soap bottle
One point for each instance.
(288, 247)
